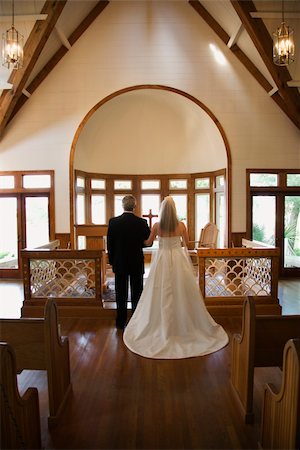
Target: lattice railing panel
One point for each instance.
(62, 278)
(237, 276)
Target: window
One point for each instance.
(202, 212)
(98, 209)
(199, 198)
(177, 184)
(150, 207)
(293, 179)
(263, 179)
(80, 209)
(36, 181)
(122, 184)
(80, 182)
(7, 182)
(97, 184)
(273, 214)
(150, 184)
(181, 207)
(202, 183)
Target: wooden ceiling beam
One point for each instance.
(242, 57)
(49, 66)
(263, 42)
(32, 49)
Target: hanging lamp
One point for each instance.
(12, 46)
(283, 43)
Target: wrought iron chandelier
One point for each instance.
(12, 46)
(283, 43)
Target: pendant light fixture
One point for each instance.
(12, 46)
(283, 43)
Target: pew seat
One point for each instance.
(280, 427)
(260, 344)
(38, 346)
(20, 415)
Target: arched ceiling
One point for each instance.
(146, 119)
(51, 27)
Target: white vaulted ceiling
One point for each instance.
(51, 27)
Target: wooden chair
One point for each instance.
(281, 410)
(208, 239)
(208, 236)
(38, 346)
(260, 344)
(20, 416)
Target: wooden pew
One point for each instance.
(260, 344)
(38, 346)
(20, 416)
(281, 410)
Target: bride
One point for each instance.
(171, 320)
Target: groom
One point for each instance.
(125, 241)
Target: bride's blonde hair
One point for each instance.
(168, 220)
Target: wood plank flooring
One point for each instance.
(123, 401)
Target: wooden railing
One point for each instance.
(71, 277)
(227, 276)
(61, 273)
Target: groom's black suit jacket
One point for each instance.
(125, 241)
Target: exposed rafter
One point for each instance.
(94, 13)
(263, 43)
(33, 47)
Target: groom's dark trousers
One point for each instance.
(125, 241)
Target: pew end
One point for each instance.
(260, 344)
(38, 346)
(20, 415)
(280, 426)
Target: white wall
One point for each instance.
(150, 131)
(134, 43)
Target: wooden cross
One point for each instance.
(150, 217)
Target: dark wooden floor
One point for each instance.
(124, 401)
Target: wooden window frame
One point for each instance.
(164, 190)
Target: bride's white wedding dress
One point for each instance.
(171, 320)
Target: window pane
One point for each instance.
(202, 212)
(220, 181)
(118, 208)
(37, 221)
(181, 207)
(293, 179)
(81, 242)
(220, 218)
(292, 231)
(202, 183)
(263, 219)
(98, 184)
(150, 184)
(150, 206)
(80, 209)
(263, 179)
(177, 184)
(7, 182)
(36, 181)
(80, 182)
(122, 184)
(8, 233)
(98, 209)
